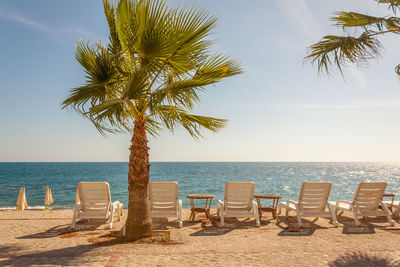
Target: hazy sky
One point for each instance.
(278, 110)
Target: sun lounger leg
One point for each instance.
(73, 220)
(180, 217)
(358, 223)
(286, 212)
(121, 208)
(118, 210)
(221, 212)
(333, 213)
(75, 212)
(299, 219)
(113, 209)
(389, 218)
(255, 208)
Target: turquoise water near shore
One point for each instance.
(193, 177)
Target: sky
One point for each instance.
(279, 109)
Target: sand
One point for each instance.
(43, 238)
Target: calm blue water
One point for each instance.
(193, 177)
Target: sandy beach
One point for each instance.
(38, 238)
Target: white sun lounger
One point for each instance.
(366, 202)
(238, 202)
(313, 202)
(94, 202)
(164, 200)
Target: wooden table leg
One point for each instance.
(208, 206)
(275, 206)
(259, 209)
(275, 216)
(193, 210)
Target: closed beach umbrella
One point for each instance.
(21, 201)
(48, 198)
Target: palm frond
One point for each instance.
(397, 70)
(127, 25)
(98, 66)
(153, 127)
(174, 116)
(340, 50)
(218, 67)
(100, 76)
(93, 93)
(136, 86)
(110, 116)
(393, 4)
(174, 91)
(183, 91)
(353, 19)
(393, 24)
(110, 10)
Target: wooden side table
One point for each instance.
(272, 208)
(205, 209)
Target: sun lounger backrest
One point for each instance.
(94, 196)
(163, 196)
(369, 195)
(239, 195)
(314, 196)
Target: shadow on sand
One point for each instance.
(212, 227)
(64, 256)
(354, 259)
(292, 229)
(368, 225)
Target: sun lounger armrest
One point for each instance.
(343, 202)
(290, 204)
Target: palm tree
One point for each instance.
(339, 51)
(148, 78)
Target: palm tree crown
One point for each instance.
(339, 51)
(156, 62)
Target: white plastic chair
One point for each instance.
(366, 202)
(164, 200)
(313, 202)
(238, 202)
(94, 202)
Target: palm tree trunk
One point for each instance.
(139, 224)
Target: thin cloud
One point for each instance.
(25, 21)
(75, 31)
(353, 106)
(302, 19)
(357, 74)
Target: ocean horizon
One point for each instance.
(283, 178)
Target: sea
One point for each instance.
(284, 178)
